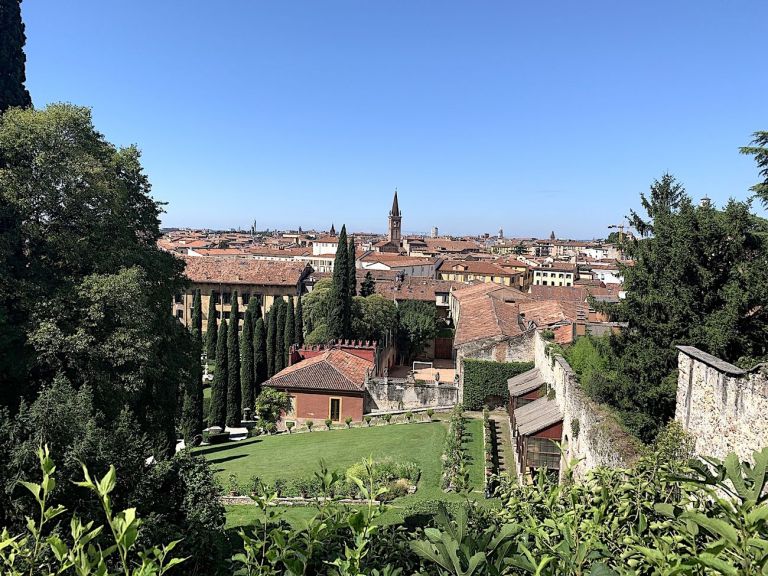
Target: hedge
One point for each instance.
(485, 382)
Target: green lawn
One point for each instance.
(298, 455)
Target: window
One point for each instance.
(335, 409)
(543, 453)
(246, 297)
(178, 298)
(227, 297)
(560, 276)
(179, 314)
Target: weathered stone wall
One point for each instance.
(601, 441)
(385, 394)
(724, 407)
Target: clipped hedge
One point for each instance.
(485, 382)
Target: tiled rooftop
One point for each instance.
(334, 370)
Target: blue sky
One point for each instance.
(534, 116)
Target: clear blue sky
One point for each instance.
(529, 115)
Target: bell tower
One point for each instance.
(395, 220)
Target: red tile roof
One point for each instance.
(243, 271)
(334, 370)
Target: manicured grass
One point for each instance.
(298, 455)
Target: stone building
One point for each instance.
(220, 278)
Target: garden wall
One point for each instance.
(590, 431)
(387, 394)
(723, 406)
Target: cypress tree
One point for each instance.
(192, 407)
(211, 333)
(299, 330)
(290, 330)
(351, 271)
(218, 409)
(368, 285)
(271, 334)
(259, 356)
(254, 305)
(339, 301)
(233, 383)
(247, 379)
(12, 58)
(280, 336)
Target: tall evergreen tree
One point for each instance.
(271, 337)
(340, 302)
(192, 408)
(368, 286)
(211, 332)
(290, 330)
(12, 58)
(280, 335)
(259, 356)
(254, 305)
(247, 378)
(299, 330)
(233, 348)
(217, 415)
(351, 270)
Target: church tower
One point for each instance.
(395, 219)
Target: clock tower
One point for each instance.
(395, 220)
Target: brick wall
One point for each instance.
(316, 406)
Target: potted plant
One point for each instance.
(348, 421)
(289, 424)
(328, 423)
(430, 413)
(368, 419)
(309, 424)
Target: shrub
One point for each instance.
(368, 419)
(348, 421)
(409, 416)
(279, 486)
(289, 425)
(485, 382)
(309, 424)
(387, 418)
(216, 438)
(430, 413)
(328, 423)
(270, 428)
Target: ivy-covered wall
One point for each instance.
(485, 382)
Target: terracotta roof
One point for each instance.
(220, 252)
(484, 317)
(334, 370)
(423, 289)
(444, 245)
(243, 271)
(475, 267)
(548, 312)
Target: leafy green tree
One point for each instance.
(218, 409)
(234, 399)
(211, 332)
(299, 330)
(280, 315)
(259, 356)
(373, 317)
(339, 303)
(271, 340)
(271, 404)
(351, 268)
(416, 327)
(289, 333)
(696, 281)
(315, 304)
(247, 374)
(12, 58)
(368, 286)
(759, 149)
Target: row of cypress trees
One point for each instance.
(244, 360)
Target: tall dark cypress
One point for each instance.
(259, 356)
(211, 332)
(192, 407)
(289, 334)
(233, 348)
(368, 286)
(351, 271)
(280, 336)
(12, 58)
(339, 305)
(299, 323)
(254, 305)
(218, 409)
(271, 336)
(247, 379)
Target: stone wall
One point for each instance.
(387, 394)
(724, 407)
(601, 441)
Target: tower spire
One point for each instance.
(395, 221)
(395, 208)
